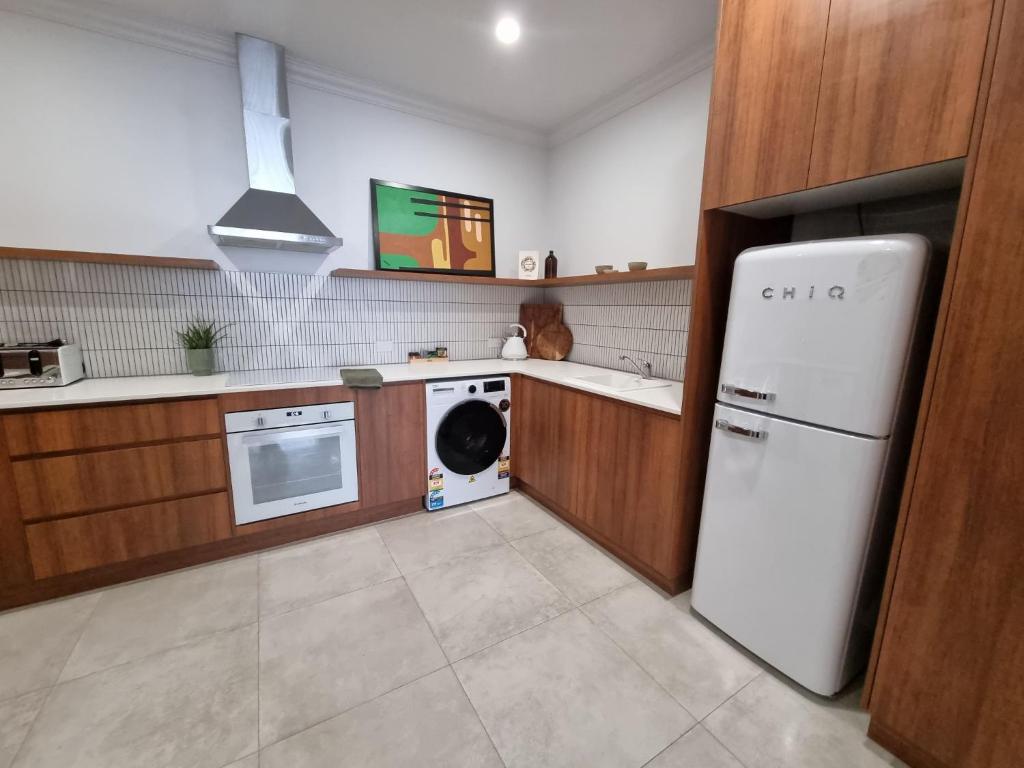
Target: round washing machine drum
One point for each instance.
(470, 437)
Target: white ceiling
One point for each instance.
(573, 54)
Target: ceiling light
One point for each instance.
(507, 30)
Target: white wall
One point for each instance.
(112, 146)
(629, 189)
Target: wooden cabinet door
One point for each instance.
(898, 86)
(391, 428)
(767, 70)
(545, 445)
(629, 480)
(949, 684)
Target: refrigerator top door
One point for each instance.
(820, 331)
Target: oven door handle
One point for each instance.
(271, 436)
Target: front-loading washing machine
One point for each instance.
(469, 438)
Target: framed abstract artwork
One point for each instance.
(418, 229)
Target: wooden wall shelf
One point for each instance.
(40, 254)
(641, 276)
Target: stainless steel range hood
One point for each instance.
(269, 214)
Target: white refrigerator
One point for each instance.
(816, 349)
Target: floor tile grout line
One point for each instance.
(508, 543)
(541, 623)
(642, 668)
(56, 682)
(183, 644)
(479, 719)
(354, 707)
(455, 674)
(672, 744)
(8, 699)
(761, 673)
(303, 606)
(416, 571)
(721, 743)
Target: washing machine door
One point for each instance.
(470, 437)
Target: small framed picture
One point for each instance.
(529, 265)
(419, 229)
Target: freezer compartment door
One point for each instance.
(788, 513)
(820, 331)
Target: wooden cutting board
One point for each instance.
(554, 342)
(535, 318)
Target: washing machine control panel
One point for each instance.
(497, 385)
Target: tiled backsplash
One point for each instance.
(125, 317)
(647, 321)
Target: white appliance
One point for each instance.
(515, 345)
(798, 499)
(288, 460)
(468, 440)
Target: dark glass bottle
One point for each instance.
(551, 265)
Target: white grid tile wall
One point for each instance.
(647, 321)
(125, 317)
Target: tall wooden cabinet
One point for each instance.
(948, 686)
(814, 92)
(899, 85)
(767, 68)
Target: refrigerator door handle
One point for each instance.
(753, 434)
(753, 394)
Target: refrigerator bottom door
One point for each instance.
(788, 516)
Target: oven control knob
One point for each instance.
(327, 414)
(504, 405)
(472, 389)
(259, 421)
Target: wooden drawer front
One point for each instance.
(103, 427)
(88, 541)
(67, 485)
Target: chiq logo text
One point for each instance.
(837, 292)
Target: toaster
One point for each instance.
(43, 364)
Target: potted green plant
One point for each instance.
(199, 338)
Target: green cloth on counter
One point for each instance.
(362, 378)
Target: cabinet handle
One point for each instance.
(753, 394)
(753, 434)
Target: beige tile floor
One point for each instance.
(486, 635)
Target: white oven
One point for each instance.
(289, 460)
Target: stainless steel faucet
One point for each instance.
(643, 366)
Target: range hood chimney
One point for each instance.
(269, 214)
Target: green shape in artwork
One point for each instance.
(396, 211)
(397, 261)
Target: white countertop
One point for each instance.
(668, 399)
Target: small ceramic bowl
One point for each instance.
(636, 266)
(602, 268)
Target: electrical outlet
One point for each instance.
(384, 346)
(493, 343)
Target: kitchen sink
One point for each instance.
(622, 382)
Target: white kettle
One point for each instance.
(515, 346)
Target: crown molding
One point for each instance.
(639, 90)
(101, 18)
